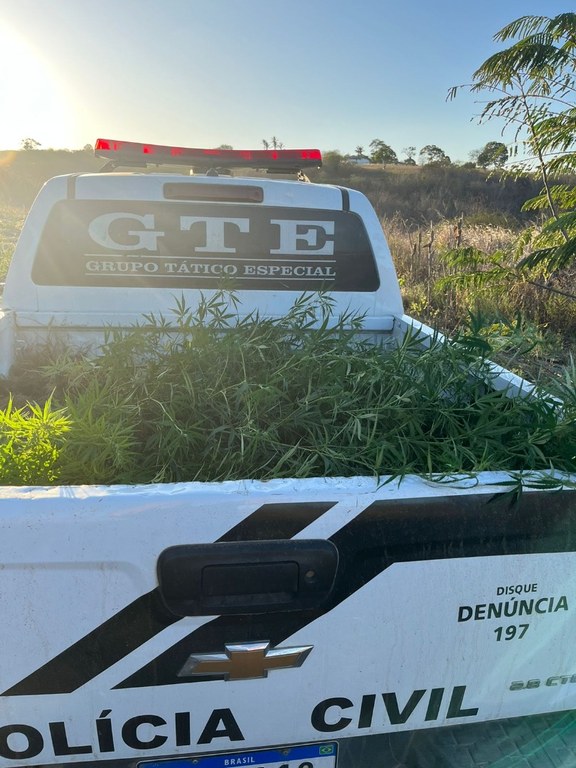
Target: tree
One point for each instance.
(433, 155)
(409, 152)
(274, 143)
(494, 154)
(359, 151)
(332, 161)
(29, 144)
(382, 153)
(532, 84)
(473, 157)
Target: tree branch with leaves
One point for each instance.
(532, 84)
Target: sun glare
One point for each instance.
(32, 101)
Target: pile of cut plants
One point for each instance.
(202, 395)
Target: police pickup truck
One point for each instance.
(282, 624)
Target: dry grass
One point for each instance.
(11, 221)
(399, 169)
(449, 292)
(418, 253)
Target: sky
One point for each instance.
(329, 74)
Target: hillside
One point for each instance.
(425, 194)
(23, 173)
(418, 195)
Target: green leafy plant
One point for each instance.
(210, 395)
(532, 85)
(30, 442)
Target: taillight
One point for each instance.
(222, 193)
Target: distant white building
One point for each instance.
(357, 160)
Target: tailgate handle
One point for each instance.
(247, 576)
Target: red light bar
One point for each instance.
(133, 153)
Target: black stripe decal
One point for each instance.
(389, 532)
(99, 649)
(146, 616)
(277, 521)
(71, 186)
(345, 198)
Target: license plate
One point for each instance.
(302, 756)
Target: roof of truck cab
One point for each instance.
(151, 186)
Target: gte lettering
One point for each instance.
(214, 231)
(124, 231)
(302, 236)
(20, 741)
(425, 705)
(131, 232)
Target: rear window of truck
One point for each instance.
(117, 243)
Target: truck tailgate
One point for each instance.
(451, 607)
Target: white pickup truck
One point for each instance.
(282, 624)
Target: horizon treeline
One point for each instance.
(418, 194)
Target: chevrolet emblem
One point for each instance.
(244, 661)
